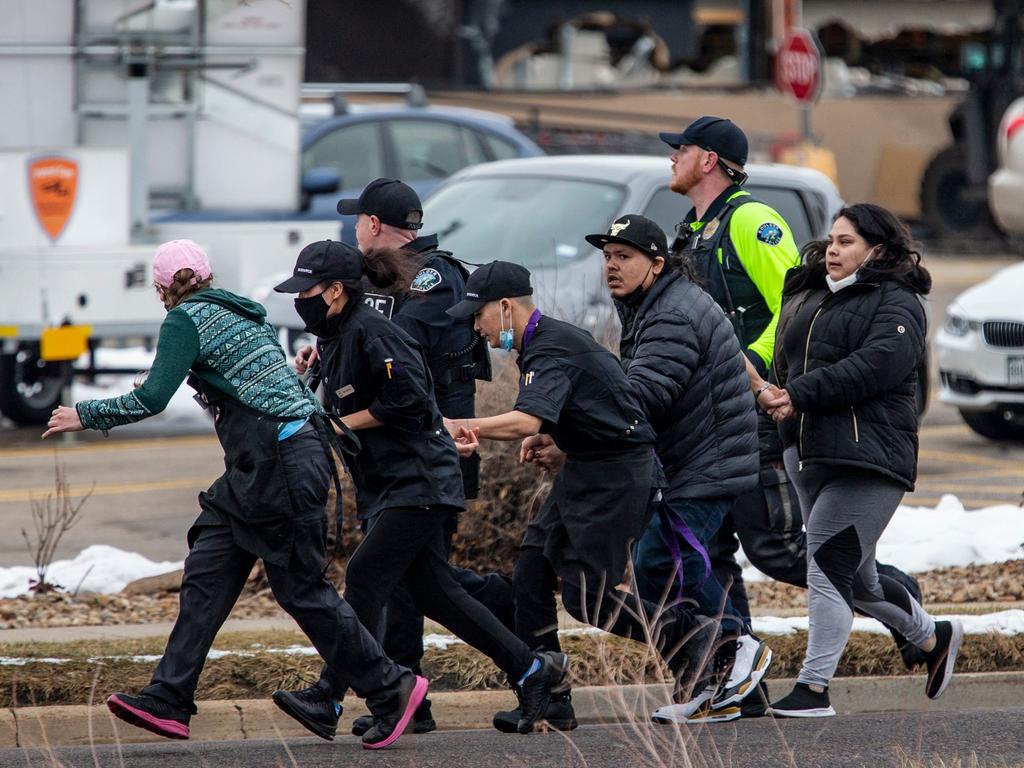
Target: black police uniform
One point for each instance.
(407, 482)
(601, 497)
(451, 346)
(456, 356)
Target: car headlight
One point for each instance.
(957, 325)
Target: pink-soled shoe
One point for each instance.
(387, 730)
(150, 713)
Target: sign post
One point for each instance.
(798, 72)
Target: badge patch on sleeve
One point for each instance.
(426, 280)
(769, 233)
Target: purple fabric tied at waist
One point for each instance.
(675, 531)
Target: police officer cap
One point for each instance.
(636, 231)
(714, 134)
(390, 200)
(491, 282)
(324, 260)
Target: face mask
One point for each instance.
(837, 285)
(506, 337)
(313, 311)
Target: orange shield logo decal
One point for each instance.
(53, 182)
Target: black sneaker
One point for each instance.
(387, 729)
(150, 713)
(912, 656)
(536, 689)
(422, 721)
(559, 715)
(689, 651)
(756, 704)
(314, 708)
(941, 660)
(803, 702)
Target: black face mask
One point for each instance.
(313, 311)
(634, 297)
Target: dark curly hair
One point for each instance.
(897, 259)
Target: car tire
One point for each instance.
(945, 208)
(992, 425)
(27, 404)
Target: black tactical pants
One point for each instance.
(216, 570)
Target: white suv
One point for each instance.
(981, 355)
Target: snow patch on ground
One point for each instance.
(98, 568)
(925, 538)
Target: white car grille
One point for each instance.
(1003, 334)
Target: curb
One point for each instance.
(81, 725)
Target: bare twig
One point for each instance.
(52, 517)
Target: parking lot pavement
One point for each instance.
(146, 482)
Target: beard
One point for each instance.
(682, 184)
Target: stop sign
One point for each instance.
(798, 66)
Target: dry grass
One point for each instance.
(596, 660)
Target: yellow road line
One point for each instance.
(956, 457)
(969, 502)
(974, 474)
(108, 489)
(107, 446)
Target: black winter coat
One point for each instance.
(410, 461)
(849, 361)
(682, 359)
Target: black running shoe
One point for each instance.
(689, 650)
(150, 713)
(536, 689)
(387, 729)
(314, 708)
(559, 715)
(756, 703)
(803, 702)
(912, 656)
(941, 660)
(422, 721)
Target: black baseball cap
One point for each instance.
(497, 280)
(324, 260)
(714, 134)
(636, 231)
(390, 200)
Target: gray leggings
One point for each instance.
(846, 512)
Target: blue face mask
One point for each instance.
(506, 337)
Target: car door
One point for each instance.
(356, 151)
(668, 208)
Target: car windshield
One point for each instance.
(534, 221)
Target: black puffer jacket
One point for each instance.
(682, 359)
(849, 361)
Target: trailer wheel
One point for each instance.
(29, 387)
(945, 207)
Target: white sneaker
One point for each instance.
(681, 713)
(753, 658)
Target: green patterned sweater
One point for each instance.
(226, 341)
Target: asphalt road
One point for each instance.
(147, 475)
(994, 737)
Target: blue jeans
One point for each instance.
(655, 565)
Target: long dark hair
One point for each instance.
(390, 269)
(680, 262)
(897, 259)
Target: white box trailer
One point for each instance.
(128, 123)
